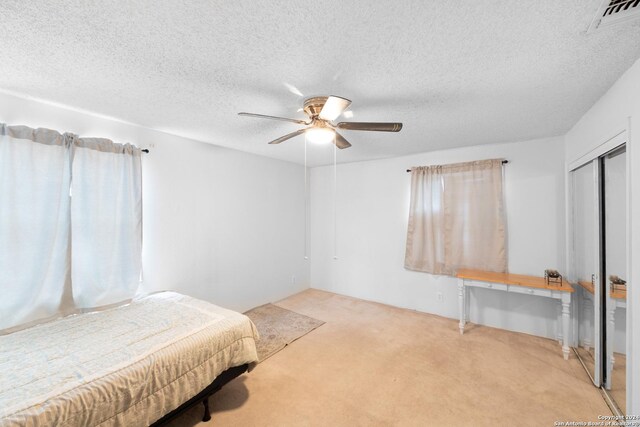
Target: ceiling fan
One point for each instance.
(322, 111)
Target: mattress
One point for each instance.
(125, 366)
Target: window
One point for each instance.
(456, 218)
(59, 253)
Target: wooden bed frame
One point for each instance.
(204, 395)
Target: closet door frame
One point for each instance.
(618, 139)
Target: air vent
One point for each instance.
(613, 12)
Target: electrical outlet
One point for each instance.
(293, 279)
(440, 297)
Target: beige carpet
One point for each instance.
(279, 327)
(375, 365)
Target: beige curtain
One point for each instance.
(457, 218)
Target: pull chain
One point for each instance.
(335, 193)
(306, 202)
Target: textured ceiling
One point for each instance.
(455, 73)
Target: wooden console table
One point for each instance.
(520, 284)
(617, 299)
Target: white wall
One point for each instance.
(219, 224)
(372, 211)
(619, 110)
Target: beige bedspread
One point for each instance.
(126, 366)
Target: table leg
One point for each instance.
(461, 304)
(566, 323)
(610, 342)
(467, 303)
(559, 328)
(587, 310)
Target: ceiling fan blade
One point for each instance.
(341, 142)
(284, 119)
(379, 127)
(333, 107)
(288, 136)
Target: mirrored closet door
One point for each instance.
(586, 265)
(615, 267)
(599, 268)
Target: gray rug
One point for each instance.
(278, 327)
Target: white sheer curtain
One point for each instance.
(70, 223)
(456, 218)
(106, 222)
(35, 174)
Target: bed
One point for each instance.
(126, 366)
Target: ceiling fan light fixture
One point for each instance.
(320, 135)
(321, 112)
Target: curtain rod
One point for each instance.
(504, 162)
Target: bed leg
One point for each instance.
(207, 414)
